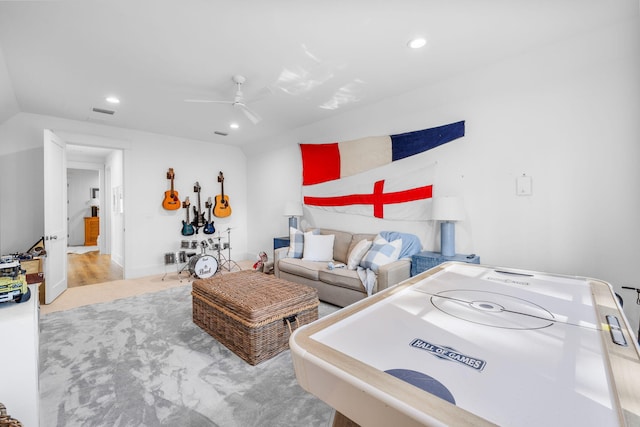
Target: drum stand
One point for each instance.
(177, 258)
(185, 267)
(228, 262)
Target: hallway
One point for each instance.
(91, 268)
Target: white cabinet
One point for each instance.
(19, 346)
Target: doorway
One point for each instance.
(94, 251)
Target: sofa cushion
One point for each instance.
(341, 243)
(342, 277)
(307, 269)
(381, 253)
(318, 247)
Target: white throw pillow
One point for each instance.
(296, 242)
(357, 253)
(318, 247)
(381, 253)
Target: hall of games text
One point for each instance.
(449, 354)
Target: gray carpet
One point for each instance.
(141, 361)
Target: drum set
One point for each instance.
(202, 265)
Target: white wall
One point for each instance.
(8, 104)
(79, 185)
(566, 115)
(150, 231)
(22, 195)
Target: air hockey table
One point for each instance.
(467, 344)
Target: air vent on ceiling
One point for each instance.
(220, 133)
(103, 111)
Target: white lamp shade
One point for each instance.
(293, 209)
(447, 208)
(94, 202)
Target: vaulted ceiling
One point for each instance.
(303, 60)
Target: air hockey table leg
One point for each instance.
(340, 420)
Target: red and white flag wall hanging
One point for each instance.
(365, 176)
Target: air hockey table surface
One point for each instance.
(467, 344)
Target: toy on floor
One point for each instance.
(262, 259)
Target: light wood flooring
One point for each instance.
(78, 296)
(90, 268)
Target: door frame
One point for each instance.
(85, 140)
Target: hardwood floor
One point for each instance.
(90, 268)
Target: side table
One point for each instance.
(281, 242)
(425, 260)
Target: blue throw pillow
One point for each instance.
(381, 253)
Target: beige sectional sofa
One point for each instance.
(339, 286)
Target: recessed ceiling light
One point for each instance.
(417, 43)
(112, 100)
(234, 126)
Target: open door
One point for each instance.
(55, 216)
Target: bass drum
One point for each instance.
(203, 266)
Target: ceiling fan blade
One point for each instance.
(208, 101)
(251, 115)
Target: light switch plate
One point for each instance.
(523, 185)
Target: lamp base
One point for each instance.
(293, 222)
(448, 238)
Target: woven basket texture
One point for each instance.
(251, 313)
(6, 420)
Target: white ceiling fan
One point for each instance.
(238, 100)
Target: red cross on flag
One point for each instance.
(388, 192)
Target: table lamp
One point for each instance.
(448, 210)
(293, 210)
(95, 204)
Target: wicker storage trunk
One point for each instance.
(251, 313)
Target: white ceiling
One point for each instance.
(304, 60)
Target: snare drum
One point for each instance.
(203, 266)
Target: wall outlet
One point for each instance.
(523, 185)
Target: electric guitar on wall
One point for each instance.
(171, 201)
(208, 227)
(187, 228)
(198, 215)
(221, 208)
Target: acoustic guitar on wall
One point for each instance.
(171, 201)
(221, 208)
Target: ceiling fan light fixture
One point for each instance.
(112, 100)
(417, 42)
(237, 102)
(234, 125)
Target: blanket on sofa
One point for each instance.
(368, 279)
(411, 245)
